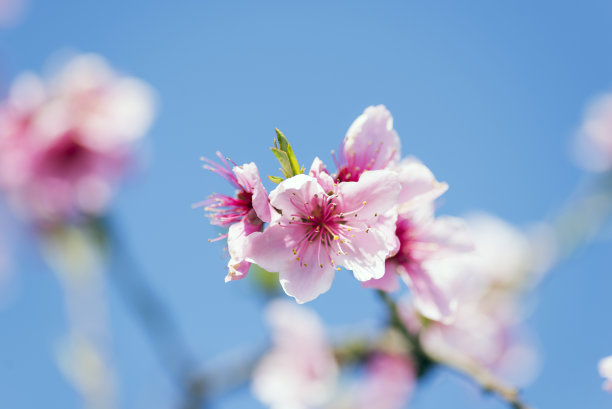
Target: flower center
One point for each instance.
(351, 165)
(326, 229)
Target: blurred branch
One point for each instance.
(583, 217)
(155, 318)
(463, 366)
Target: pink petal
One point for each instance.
(418, 183)
(319, 171)
(428, 297)
(451, 234)
(389, 282)
(371, 136)
(378, 189)
(365, 255)
(272, 250)
(297, 189)
(236, 240)
(248, 176)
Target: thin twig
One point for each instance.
(155, 318)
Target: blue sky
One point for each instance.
(487, 94)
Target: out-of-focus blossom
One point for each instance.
(487, 325)
(11, 12)
(388, 382)
(318, 230)
(605, 370)
(244, 213)
(64, 143)
(593, 145)
(299, 371)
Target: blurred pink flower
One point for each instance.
(300, 370)
(65, 143)
(388, 383)
(488, 285)
(318, 230)
(605, 370)
(244, 213)
(593, 145)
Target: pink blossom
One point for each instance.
(605, 370)
(388, 383)
(299, 371)
(424, 241)
(371, 143)
(487, 283)
(593, 145)
(319, 230)
(65, 143)
(243, 214)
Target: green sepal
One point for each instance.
(285, 146)
(283, 159)
(284, 153)
(275, 179)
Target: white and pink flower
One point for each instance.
(387, 384)
(318, 230)
(487, 325)
(243, 213)
(605, 370)
(65, 143)
(300, 371)
(593, 144)
(371, 143)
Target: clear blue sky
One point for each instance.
(487, 94)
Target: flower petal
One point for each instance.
(389, 282)
(374, 194)
(429, 299)
(292, 193)
(372, 140)
(418, 183)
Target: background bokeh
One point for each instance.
(487, 94)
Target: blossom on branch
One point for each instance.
(299, 372)
(605, 370)
(372, 143)
(488, 284)
(388, 382)
(243, 214)
(65, 142)
(316, 231)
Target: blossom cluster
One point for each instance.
(374, 215)
(301, 369)
(66, 140)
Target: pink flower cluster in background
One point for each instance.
(487, 326)
(374, 216)
(300, 370)
(66, 140)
